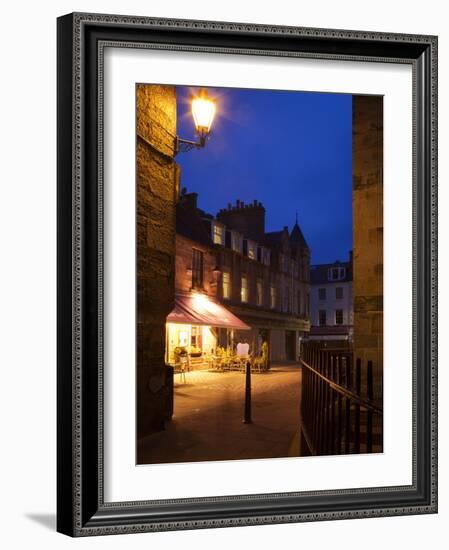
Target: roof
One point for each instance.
(199, 309)
(319, 273)
(273, 238)
(297, 237)
(190, 224)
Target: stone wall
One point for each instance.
(367, 148)
(157, 184)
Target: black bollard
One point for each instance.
(247, 418)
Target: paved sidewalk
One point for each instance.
(208, 412)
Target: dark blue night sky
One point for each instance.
(290, 150)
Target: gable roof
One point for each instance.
(297, 237)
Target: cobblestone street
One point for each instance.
(208, 412)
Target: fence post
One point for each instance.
(339, 404)
(331, 436)
(369, 419)
(347, 406)
(325, 433)
(247, 418)
(358, 385)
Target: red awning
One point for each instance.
(199, 309)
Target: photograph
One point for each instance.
(246, 272)
(259, 273)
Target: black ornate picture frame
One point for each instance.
(81, 508)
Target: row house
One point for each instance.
(235, 282)
(332, 308)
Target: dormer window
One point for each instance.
(336, 273)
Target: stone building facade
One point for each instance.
(157, 184)
(332, 309)
(262, 278)
(367, 200)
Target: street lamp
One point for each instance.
(203, 112)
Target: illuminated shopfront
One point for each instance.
(193, 327)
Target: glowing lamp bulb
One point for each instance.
(203, 112)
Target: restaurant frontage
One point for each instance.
(198, 329)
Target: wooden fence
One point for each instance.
(339, 415)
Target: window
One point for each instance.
(299, 303)
(195, 338)
(236, 242)
(281, 262)
(287, 303)
(259, 287)
(251, 250)
(183, 338)
(336, 273)
(244, 289)
(322, 317)
(338, 316)
(266, 256)
(226, 285)
(197, 268)
(321, 294)
(218, 234)
(339, 292)
(228, 238)
(272, 297)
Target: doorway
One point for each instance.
(290, 345)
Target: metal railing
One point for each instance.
(338, 415)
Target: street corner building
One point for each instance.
(236, 283)
(332, 309)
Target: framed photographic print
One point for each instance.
(246, 274)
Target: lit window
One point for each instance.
(251, 250)
(322, 317)
(195, 338)
(321, 294)
(338, 316)
(226, 285)
(218, 234)
(244, 289)
(272, 296)
(339, 292)
(259, 287)
(183, 338)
